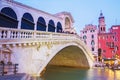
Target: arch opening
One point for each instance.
(51, 26)
(59, 27)
(8, 18)
(67, 23)
(27, 22)
(41, 24)
(71, 56)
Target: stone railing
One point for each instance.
(9, 34)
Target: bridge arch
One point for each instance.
(84, 57)
(70, 56)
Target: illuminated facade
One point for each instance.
(115, 29)
(105, 45)
(89, 35)
(108, 42)
(105, 40)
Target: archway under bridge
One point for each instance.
(70, 56)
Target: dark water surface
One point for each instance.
(65, 73)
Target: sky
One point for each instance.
(83, 11)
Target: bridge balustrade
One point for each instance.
(9, 33)
(6, 33)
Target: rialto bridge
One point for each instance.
(35, 39)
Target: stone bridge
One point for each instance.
(34, 50)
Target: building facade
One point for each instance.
(104, 45)
(108, 42)
(115, 29)
(105, 41)
(89, 36)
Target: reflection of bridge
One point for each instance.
(33, 50)
(33, 38)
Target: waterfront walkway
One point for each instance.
(18, 76)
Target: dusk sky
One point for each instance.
(83, 11)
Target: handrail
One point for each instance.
(8, 68)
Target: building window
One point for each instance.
(92, 48)
(103, 28)
(84, 37)
(106, 37)
(92, 36)
(85, 42)
(104, 51)
(112, 45)
(113, 37)
(107, 43)
(92, 42)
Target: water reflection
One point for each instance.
(64, 73)
(117, 75)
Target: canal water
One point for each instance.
(65, 73)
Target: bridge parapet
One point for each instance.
(9, 36)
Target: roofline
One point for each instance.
(115, 25)
(24, 5)
(66, 13)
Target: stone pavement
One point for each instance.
(18, 76)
